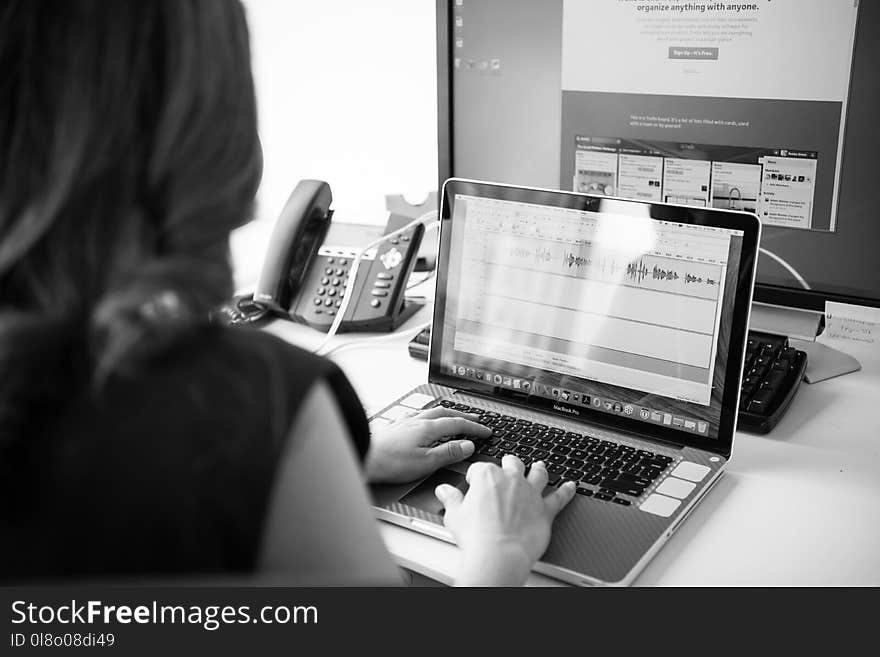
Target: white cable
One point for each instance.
(407, 335)
(352, 276)
(791, 270)
(421, 281)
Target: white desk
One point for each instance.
(798, 507)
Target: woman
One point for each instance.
(134, 437)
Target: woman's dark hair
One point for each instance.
(128, 152)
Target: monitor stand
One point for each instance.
(802, 327)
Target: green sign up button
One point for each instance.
(681, 52)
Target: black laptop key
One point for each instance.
(508, 446)
(556, 469)
(557, 458)
(651, 473)
(592, 480)
(562, 449)
(552, 479)
(603, 496)
(624, 487)
(528, 441)
(578, 454)
(540, 454)
(462, 407)
(635, 479)
(586, 492)
(488, 450)
(523, 450)
(447, 403)
(574, 463)
(499, 433)
(545, 444)
(621, 501)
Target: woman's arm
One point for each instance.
(319, 524)
(320, 527)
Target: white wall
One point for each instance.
(347, 94)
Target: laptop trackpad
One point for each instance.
(422, 496)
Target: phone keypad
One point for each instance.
(380, 274)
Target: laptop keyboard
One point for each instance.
(603, 469)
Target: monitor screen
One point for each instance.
(766, 107)
(595, 306)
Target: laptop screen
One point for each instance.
(595, 308)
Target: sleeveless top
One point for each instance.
(168, 472)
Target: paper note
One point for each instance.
(845, 321)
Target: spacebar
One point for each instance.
(462, 466)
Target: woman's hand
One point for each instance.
(417, 446)
(502, 524)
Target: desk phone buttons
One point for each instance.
(377, 296)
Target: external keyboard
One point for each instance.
(772, 374)
(602, 469)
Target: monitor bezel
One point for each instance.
(774, 295)
(728, 219)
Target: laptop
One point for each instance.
(603, 336)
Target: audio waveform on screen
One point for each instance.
(636, 271)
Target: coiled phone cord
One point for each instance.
(352, 276)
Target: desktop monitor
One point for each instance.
(765, 106)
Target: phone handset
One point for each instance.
(296, 238)
(307, 281)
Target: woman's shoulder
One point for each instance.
(249, 369)
(234, 358)
(255, 369)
